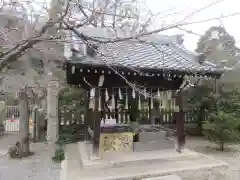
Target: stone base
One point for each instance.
(153, 145)
(152, 136)
(151, 141)
(188, 165)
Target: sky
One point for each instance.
(170, 11)
(186, 7)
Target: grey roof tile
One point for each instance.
(135, 54)
(157, 52)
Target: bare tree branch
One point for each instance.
(112, 15)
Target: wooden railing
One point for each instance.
(163, 117)
(70, 120)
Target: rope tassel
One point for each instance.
(106, 95)
(113, 102)
(133, 94)
(169, 95)
(145, 93)
(151, 103)
(119, 93)
(158, 93)
(126, 102)
(139, 102)
(99, 101)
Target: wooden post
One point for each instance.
(116, 107)
(86, 115)
(97, 123)
(180, 122)
(96, 132)
(149, 111)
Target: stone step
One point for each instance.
(153, 145)
(128, 161)
(128, 166)
(170, 177)
(184, 168)
(116, 159)
(194, 167)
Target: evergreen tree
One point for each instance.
(222, 129)
(201, 101)
(219, 47)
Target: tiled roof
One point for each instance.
(152, 52)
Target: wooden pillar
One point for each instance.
(96, 132)
(180, 121)
(116, 107)
(97, 123)
(86, 115)
(149, 111)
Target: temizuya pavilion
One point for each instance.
(131, 72)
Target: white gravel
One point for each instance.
(37, 167)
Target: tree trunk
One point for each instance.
(222, 145)
(24, 124)
(38, 124)
(201, 118)
(34, 124)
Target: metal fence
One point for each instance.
(12, 116)
(12, 119)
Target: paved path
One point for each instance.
(37, 167)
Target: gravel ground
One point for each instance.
(231, 155)
(37, 167)
(40, 166)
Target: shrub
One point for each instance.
(59, 155)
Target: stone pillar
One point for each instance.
(2, 117)
(52, 111)
(2, 112)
